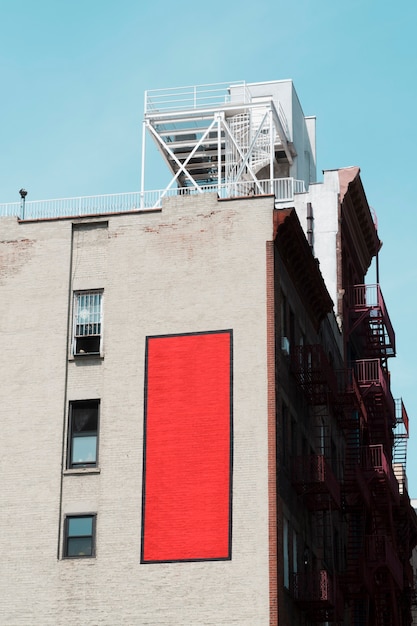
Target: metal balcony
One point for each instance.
(381, 554)
(314, 373)
(374, 384)
(369, 317)
(377, 468)
(318, 594)
(349, 401)
(313, 478)
(356, 483)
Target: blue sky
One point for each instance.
(73, 76)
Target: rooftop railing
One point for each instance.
(194, 97)
(282, 188)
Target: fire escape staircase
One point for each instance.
(373, 381)
(370, 320)
(349, 405)
(384, 566)
(375, 473)
(373, 482)
(401, 434)
(380, 475)
(219, 136)
(317, 592)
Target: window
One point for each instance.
(87, 322)
(80, 535)
(284, 317)
(294, 553)
(83, 433)
(286, 553)
(284, 434)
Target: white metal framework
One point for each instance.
(219, 136)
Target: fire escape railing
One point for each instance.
(373, 379)
(313, 477)
(380, 553)
(349, 400)
(367, 302)
(376, 465)
(318, 594)
(314, 373)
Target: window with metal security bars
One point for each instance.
(79, 537)
(88, 322)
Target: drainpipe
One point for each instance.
(310, 224)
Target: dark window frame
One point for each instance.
(70, 539)
(71, 434)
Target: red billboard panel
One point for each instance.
(187, 479)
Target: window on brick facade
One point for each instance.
(294, 553)
(88, 322)
(83, 433)
(79, 537)
(286, 553)
(285, 426)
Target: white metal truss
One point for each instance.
(224, 144)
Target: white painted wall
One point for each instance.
(324, 198)
(302, 130)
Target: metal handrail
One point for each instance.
(313, 474)
(282, 188)
(381, 553)
(374, 460)
(316, 586)
(371, 376)
(401, 417)
(366, 297)
(192, 96)
(369, 371)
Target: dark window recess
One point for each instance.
(79, 539)
(87, 345)
(83, 433)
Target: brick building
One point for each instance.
(197, 420)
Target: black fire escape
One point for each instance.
(375, 496)
(317, 591)
(380, 524)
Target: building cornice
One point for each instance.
(301, 265)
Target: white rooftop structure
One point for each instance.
(236, 139)
(240, 138)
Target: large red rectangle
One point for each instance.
(186, 506)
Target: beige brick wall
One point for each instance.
(197, 265)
